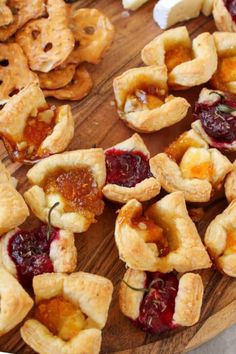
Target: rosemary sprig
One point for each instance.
(217, 93)
(223, 108)
(49, 219)
(146, 290)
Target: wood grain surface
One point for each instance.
(97, 123)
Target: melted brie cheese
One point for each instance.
(196, 163)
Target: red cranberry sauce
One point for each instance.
(220, 126)
(126, 168)
(231, 7)
(158, 305)
(29, 250)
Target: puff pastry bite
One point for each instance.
(188, 165)
(188, 64)
(216, 119)
(128, 172)
(224, 13)
(73, 179)
(31, 129)
(230, 184)
(220, 240)
(15, 302)
(163, 239)
(42, 250)
(69, 315)
(158, 302)
(142, 99)
(224, 78)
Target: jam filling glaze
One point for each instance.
(158, 304)
(36, 130)
(177, 56)
(218, 119)
(126, 168)
(231, 7)
(78, 189)
(146, 97)
(29, 250)
(60, 316)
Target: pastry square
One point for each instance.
(15, 302)
(224, 16)
(220, 240)
(162, 239)
(143, 102)
(31, 129)
(73, 179)
(128, 172)
(159, 302)
(70, 313)
(188, 64)
(188, 165)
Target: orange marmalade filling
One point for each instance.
(230, 243)
(78, 188)
(226, 72)
(152, 233)
(202, 171)
(177, 56)
(35, 132)
(61, 317)
(177, 149)
(146, 97)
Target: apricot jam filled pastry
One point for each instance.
(188, 64)
(128, 172)
(31, 129)
(188, 165)
(6, 16)
(157, 302)
(74, 179)
(142, 99)
(70, 312)
(220, 240)
(47, 42)
(215, 112)
(93, 33)
(22, 12)
(224, 78)
(14, 71)
(164, 238)
(224, 13)
(15, 302)
(42, 250)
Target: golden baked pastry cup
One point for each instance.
(40, 202)
(198, 189)
(222, 17)
(169, 111)
(15, 302)
(62, 252)
(27, 103)
(188, 301)
(186, 251)
(188, 73)
(230, 184)
(220, 240)
(144, 190)
(47, 42)
(90, 293)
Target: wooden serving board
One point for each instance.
(97, 123)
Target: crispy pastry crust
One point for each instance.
(216, 238)
(91, 293)
(187, 304)
(63, 253)
(209, 97)
(194, 189)
(187, 252)
(40, 203)
(230, 184)
(170, 112)
(188, 74)
(14, 115)
(15, 302)
(6, 14)
(47, 42)
(222, 17)
(145, 190)
(207, 7)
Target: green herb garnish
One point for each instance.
(49, 219)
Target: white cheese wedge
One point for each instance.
(207, 7)
(133, 4)
(169, 12)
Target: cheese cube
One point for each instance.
(133, 4)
